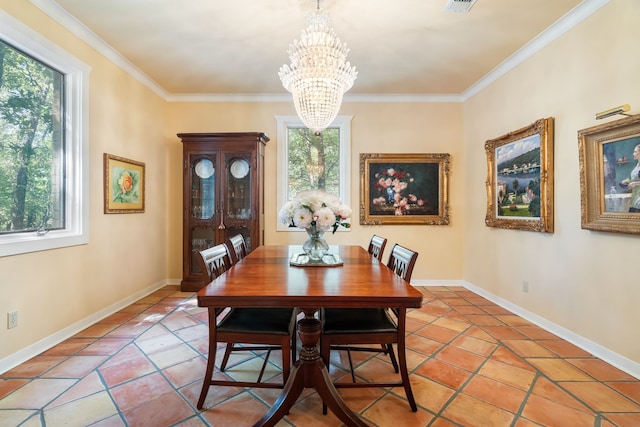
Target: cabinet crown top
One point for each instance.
(220, 136)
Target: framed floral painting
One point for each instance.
(123, 185)
(404, 189)
(520, 178)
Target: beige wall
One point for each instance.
(582, 280)
(126, 253)
(387, 128)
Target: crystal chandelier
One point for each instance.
(319, 73)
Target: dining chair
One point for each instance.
(376, 246)
(262, 328)
(237, 250)
(237, 247)
(349, 328)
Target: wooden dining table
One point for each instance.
(266, 278)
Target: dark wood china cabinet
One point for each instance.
(223, 195)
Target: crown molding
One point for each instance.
(558, 28)
(286, 97)
(405, 98)
(562, 25)
(229, 97)
(68, 21)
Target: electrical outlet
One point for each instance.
(12, 319)
(525, 286)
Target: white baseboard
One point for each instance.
(627, 365)
(630, 367)
(45, 344)
(427, 283)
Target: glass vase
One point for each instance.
(315, 247)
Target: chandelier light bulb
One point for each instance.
(319, 73)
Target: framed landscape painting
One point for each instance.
(520, 178)
(610, 176)
(404, 189)
(123, 185)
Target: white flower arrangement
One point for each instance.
(315, 209)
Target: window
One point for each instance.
(307, 161)
(43, 153)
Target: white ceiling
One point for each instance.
(399, 47)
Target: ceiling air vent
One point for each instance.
(459, 5)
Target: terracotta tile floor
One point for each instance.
(472, 363)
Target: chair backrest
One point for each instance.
(237, 248)
(376, 246)
(214, 261)
(402, 261)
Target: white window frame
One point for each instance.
(76, 131)
(343, 123)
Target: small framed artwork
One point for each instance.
(610, 176)
(404, 189)
(520, 178)
(123, 185)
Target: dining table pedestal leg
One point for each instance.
(309, 372)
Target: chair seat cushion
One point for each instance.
(357, 321)
(273, 321)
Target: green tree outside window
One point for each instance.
(31, 148)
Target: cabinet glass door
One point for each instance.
(239, 189)
(238, 209)
(203, 189)
(202, 238)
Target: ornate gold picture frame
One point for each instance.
(610, 176)
(520, 178)
(123, 185)
(404, 189)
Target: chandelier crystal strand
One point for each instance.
(319, 73)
